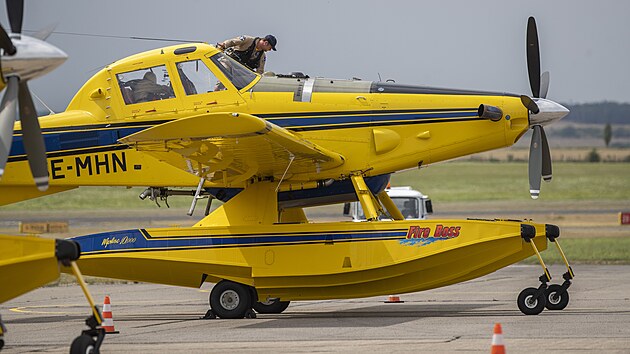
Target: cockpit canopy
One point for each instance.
(215, 72)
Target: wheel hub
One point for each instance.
(531, 301)
(554, 298)
(268, 302)
(229, 299)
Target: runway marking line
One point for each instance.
(24, 309)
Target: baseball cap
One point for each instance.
(272, 40)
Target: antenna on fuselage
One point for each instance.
(50, 111)
(125, 37)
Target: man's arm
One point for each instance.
(234, 42)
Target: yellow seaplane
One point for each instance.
(189, 116)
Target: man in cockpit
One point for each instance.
(249, 51)
(148, 89)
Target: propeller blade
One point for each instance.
(45, 32)
(544, 84)
(546, 157)
(530, 104)
(535, 162)
(8, 111)
(6, 43)
(33, 139)
(15, 9)
(533, 57)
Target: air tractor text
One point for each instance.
(88, 165)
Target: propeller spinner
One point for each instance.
(29, 57)
(542, 111)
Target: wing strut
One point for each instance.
(371, 206)
(197, 196)
(291, 158)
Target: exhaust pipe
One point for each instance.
(490, 112)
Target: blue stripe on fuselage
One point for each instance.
(74, 140)
(361, 119)
(140, 240)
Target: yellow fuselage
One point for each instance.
(379, 128)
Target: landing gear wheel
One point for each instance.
(230, 300)
(529, 304)
(557, 299)
(83, 344)
(271, 306)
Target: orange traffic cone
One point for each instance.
(108, 320)
(497, 340)
(393, 299)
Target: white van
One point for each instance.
(411, 203)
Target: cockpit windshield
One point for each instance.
(239, 75)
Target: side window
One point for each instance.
(145, 85)
(197, 78)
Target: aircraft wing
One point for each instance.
(28, 262)
(232, 147)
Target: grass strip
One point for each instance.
(598, 250)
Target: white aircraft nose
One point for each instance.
(550, 112)
(31, 48)
(33, 58)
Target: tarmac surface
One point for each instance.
(459, 318)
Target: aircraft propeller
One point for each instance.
(17, 92)
(539, 155)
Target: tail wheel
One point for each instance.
(530, 303)
(83, 344)
(230, 300)
(557, 298)
(271, 306)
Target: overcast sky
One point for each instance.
(585, 45)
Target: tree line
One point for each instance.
(599, 113)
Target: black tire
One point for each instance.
(529, 304)
(271, 306)
(83, 344)
(556, 300)
(230, 300)
(1, 343)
